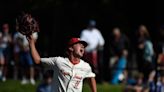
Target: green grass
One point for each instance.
(15, 86)
(104, 88)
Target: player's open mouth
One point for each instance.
(81, 50)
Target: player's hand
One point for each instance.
(30, 39)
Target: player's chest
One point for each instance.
(69, 71)
(91, 35)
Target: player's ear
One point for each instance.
(70, 48)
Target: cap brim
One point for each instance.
(84, 43)
(80, 41)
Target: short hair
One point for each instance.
(48, 74)
(92, 22)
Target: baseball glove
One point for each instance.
(26, 24)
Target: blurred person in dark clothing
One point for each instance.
(45, 85)
(119, 45)
(137, 86)
(160, 83)
(144, 52)
(160, 50)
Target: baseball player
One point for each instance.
(69, 72)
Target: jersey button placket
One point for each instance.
(73, 74)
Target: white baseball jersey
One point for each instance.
(67, 76)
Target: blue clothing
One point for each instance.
(121, 65)
(152, 86)
(148, 51)
(1, 52)
(44, 88)
(26, 59)
(160, 87)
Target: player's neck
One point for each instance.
(74, 60)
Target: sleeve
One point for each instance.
(35, 35)
(83, 35)
(100, 38)
(49, 61)
(149, 48)
(89, 72)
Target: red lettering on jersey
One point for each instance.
(78, 77)
(64, 73)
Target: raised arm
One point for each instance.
(33, 49)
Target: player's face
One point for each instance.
(78, 50)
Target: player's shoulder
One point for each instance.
(84, 63)
(59, 58)
(84, 31)
(96, 30)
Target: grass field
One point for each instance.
(15, 86)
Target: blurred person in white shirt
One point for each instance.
(26, 61)
(95, 40)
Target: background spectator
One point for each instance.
(119, 45)
(145, 52)
(45, 85)
(5, 45)
(96, 42)
(26, 61)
